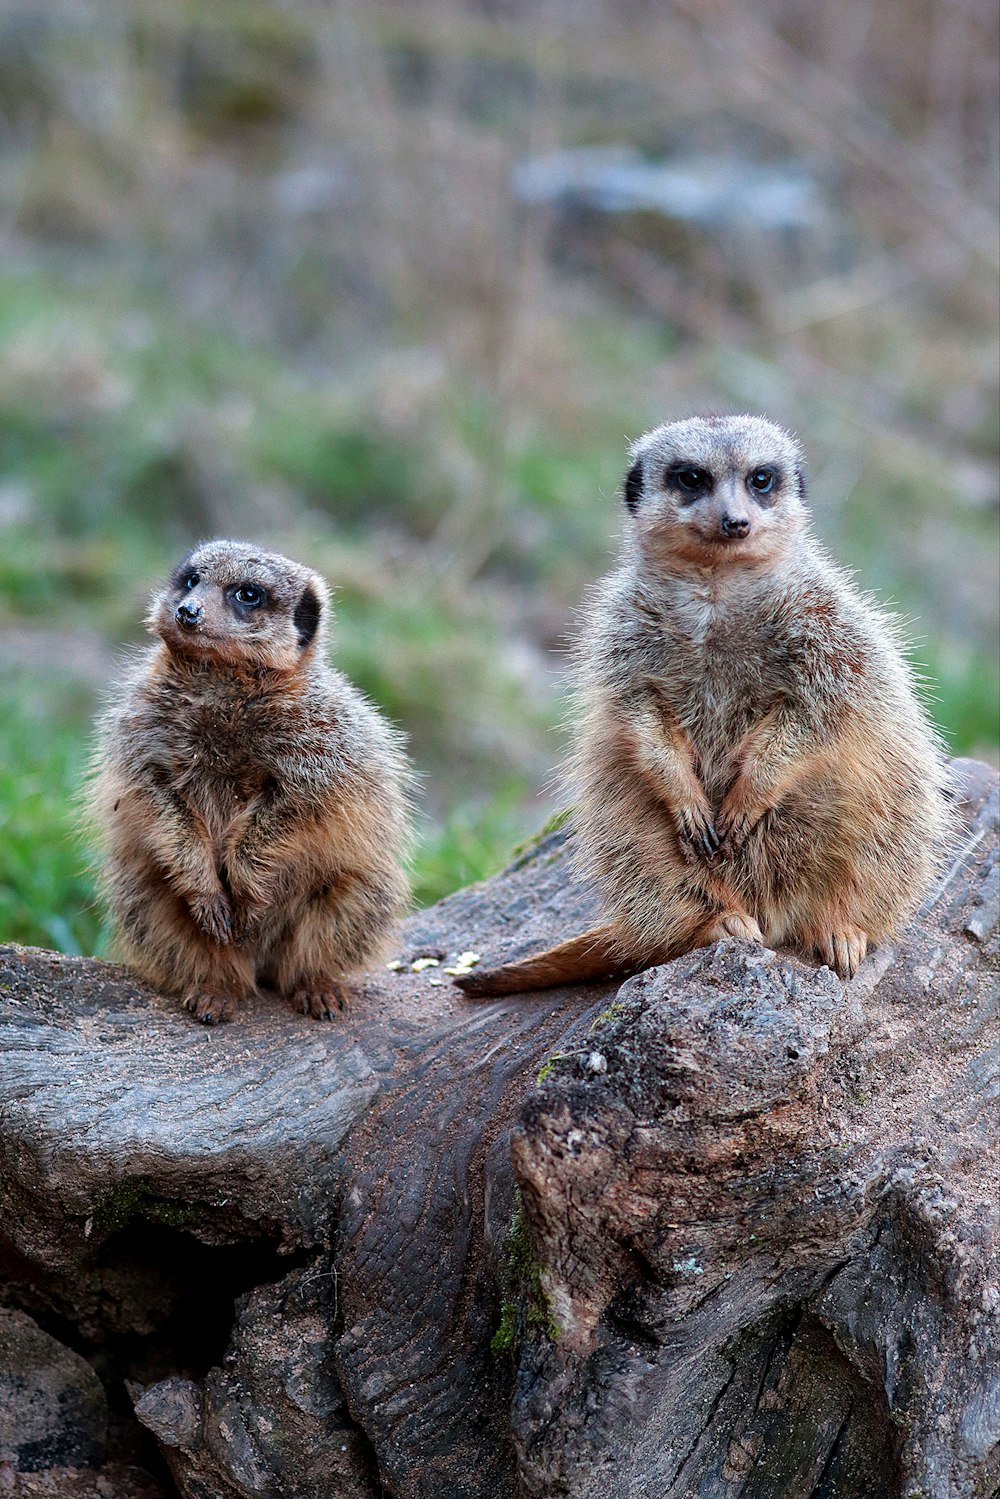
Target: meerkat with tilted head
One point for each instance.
(752, 758)
(250, 802)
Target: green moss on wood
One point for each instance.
(136, 1200)
(504, 1339)
(525, 1310)
(546, 1068)
(614, 1009)
(520, 854)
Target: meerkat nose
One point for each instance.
(735, 525)
(188, 615)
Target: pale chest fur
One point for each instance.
(215, 764)
(718, 660)
(220, 751)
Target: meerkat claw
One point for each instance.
(213, 915)
(696, 835)
(321, 1004)
(849, 949)
(735, 833)
(843, 950)
(210, 1009)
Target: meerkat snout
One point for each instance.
(735, 525)
(188, 615)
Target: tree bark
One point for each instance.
(729, 1228)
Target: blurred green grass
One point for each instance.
(46, 887)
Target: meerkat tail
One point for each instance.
(589, 958)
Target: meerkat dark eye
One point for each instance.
(249, 596)
(190, 580)
(762, 480)
(689, 479)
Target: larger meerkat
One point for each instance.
(250, 802)
(753, 759)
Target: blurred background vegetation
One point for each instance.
(389, 286)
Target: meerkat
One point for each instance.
(251, 803)
(752, 758)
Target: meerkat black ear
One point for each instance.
(801, 480)
(632, 488)
(307, 616)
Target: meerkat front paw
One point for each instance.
(734, 824)
(209, 1008)
(733, 837)
(214, 916)
(696, 833)
(325, 1002)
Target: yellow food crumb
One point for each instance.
(464, 963)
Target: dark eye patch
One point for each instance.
(763, 483)
(184, 576)
(690, 479)
(247, 595)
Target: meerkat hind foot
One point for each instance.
(731, 924)
(323, 1002)
(210, 1008)
(844, 950)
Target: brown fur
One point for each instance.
(753, 759)
(250, 802)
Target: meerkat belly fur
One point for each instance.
(752, 759)
(250, 802)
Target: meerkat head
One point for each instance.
(232, 602)
(713, 491)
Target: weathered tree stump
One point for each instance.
(730, 1228)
